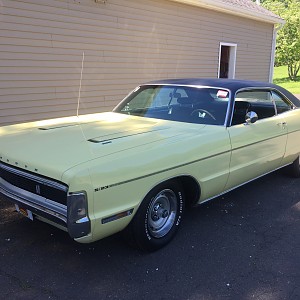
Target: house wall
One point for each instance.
(124, 43)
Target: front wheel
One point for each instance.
(158, 217)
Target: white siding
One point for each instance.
(125, 43)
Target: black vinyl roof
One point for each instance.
(231, 84)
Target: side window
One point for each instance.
(259, 101)
(281, 104)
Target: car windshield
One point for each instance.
(177, 103)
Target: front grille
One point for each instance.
(42, 186)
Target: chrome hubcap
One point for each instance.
(162, 213)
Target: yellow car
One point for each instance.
(169, 144)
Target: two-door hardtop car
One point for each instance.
(168, 144)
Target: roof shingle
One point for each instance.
(245, 8)
(249, 5)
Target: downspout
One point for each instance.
(272, 60)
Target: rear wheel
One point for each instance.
(294, 168)
(158, 217)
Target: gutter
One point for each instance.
(218, 5)
(277, 27)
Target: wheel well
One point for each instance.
(191, 189)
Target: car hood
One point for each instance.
(52, 147)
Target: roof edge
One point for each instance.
(218, 5)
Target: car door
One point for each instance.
(257, 148)
(290, 116)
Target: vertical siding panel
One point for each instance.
(125, 43)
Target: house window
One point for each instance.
(227, 60)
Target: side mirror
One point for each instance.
(251, 117)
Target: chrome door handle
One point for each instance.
(282, 124)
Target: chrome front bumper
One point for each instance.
(47, 199)
(38, 205)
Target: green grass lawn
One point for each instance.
(281, 78)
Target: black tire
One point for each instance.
(294, 169)
(158, 217)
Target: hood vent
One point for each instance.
(100, 140)
(58, 127)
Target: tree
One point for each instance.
(288, 40)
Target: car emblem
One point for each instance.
(38, 189)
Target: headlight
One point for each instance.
(78, 221)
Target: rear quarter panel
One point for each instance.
(292, 119)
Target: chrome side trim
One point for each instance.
(261, 141)
(34, 201)
(36, 178)
(159, 172)
(117, 216)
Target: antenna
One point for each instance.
(79, 92)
